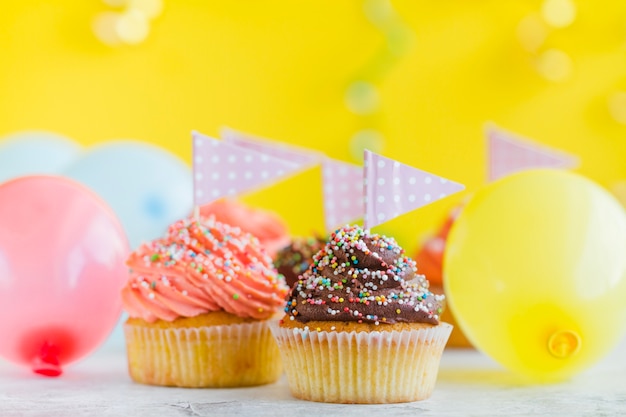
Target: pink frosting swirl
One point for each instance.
(200, 267)
(266, 225)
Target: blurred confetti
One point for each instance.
(617, 106)
(559, 13)
(362, 96)
(535, 30)
(532, 32)
(130, 26)
(555, 65)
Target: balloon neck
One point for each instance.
(47, 362)
(563, 344)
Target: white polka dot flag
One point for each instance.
(392, 189)
(222, 169)
(342, 192)
(306, 158)
(509, 154)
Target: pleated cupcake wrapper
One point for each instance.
(363, 367)
(212, 356)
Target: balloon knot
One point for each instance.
(47, 362)
(564, 343)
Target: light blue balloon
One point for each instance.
(148, 187)
(35, 152)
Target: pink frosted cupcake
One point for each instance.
(199, 301)
(267, 226)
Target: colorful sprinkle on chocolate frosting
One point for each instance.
(362, 277)
(296, 258)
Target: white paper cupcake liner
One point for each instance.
(212, 356)
(363, 367)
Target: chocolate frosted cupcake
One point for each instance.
(294, 259)
(361, 326)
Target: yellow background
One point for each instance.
(280, 69)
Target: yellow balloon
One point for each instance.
(535, 273)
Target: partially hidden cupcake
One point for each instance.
(292, 260)
(429, 258)
(199, 301)
(267, 226)
(360, 325)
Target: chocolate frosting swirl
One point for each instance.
(363, 277)
(293, 260)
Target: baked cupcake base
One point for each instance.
(340, 362)
(213, 350)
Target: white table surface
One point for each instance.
(469, 384)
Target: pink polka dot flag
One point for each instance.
(392, 189)
(509, 154)
(306, 158)
(342, 192)
(342, 182)
(222, 169)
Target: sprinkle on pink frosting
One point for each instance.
(200, 267)
(266, 225)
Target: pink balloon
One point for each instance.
(62, 267)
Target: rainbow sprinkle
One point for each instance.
(363, 277)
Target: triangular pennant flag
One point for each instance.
(343, 192)
(301, 156)
(509, 153)
(222, 169)
(392, 189)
